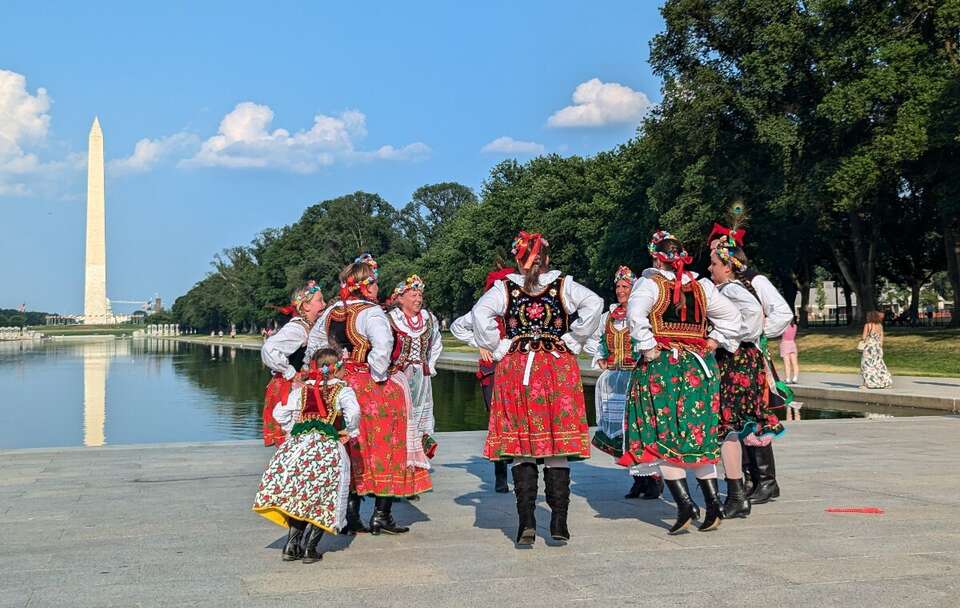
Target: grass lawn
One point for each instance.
(86, 330)
(908, 352)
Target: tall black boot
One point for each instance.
(765, 483)
(748, 462)
(354, 523)
(525, 487)
(687, 510)
(639, 487)
(292, 550)
(500, 477)
(557, 481)
(737, 503)
(310, 540)
(711, 498)
(654, 487)
(382, 520)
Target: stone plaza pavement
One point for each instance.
(171, 525)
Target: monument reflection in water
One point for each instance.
(109, 392)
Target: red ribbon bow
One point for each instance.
(719, 230)
(526, 248)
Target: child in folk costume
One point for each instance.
(358, 327)
(538, 408)
(745, 414)
(416, 347)
(462, 329)
(777, 316)
(613, 352)
(673, 409)
(283, 353)
(306, 484)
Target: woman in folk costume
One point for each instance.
(357, 326)
(673, 409)
(282, 353)
(745, 414)
(306, 484)
(538, 408)
(462, 329)
(613, 352)
(777, 316)
(416, 347)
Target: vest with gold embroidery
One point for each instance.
(685, 327)
(618, 346)
(342, 331)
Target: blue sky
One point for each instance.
(223, 120)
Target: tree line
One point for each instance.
(836, 122)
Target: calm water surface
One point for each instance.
(76, 393)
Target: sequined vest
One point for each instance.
(404, 350)
(318, 412)
(536, 322)
(342, 332)
(618, 344)
(684, 328)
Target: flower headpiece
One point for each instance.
(677, 259)
(624, 274)
(526, 247)
(724, 251)
(722, 231)
(325, 370)
(412, 282)
(351, 284)
(299, 297)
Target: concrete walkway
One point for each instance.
(171, 526)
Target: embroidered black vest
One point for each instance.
(536, 322)
(342, 332)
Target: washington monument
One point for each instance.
(95, 306)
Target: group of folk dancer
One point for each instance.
(687, 381)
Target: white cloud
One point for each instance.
(598, 104)
(244, 139)
(509, 145)
(147, 153)
(24, 122)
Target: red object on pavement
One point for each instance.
(864, 510)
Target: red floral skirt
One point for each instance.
(545, 418)
(277, 391)
(379, 458)
(745, 394)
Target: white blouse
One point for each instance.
(276, 350)
(778, 313)
(286, 413)
(721, 312)
(462, 329)
(493, 304)
(751, 323)
(373, 324)
(436, 340)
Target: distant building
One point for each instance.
(834, 303)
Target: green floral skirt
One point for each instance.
(673, 411)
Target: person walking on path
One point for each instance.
(306, 485)
(462, 329)
(359, 328)
(872, 368)
(789, 352)
(673, 408)
(283, 354)
(538, 409)
(613, 352)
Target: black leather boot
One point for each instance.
(500, 477)
(737, 503)
(557, 481)
(639, 487)
(765, 481)
(654, 487)
(525, 487)
(687, 510)
(292, 550)
(749, 466)
(310, 539)
(354, 523)
(711, 498)
(382, 519)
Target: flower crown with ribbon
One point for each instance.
(722, 231)
(325, 369)
(412, 282)
(299, 297)
(724, 251)
(351, 284)
(526, 247)
(624, 274)
(677, 259)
